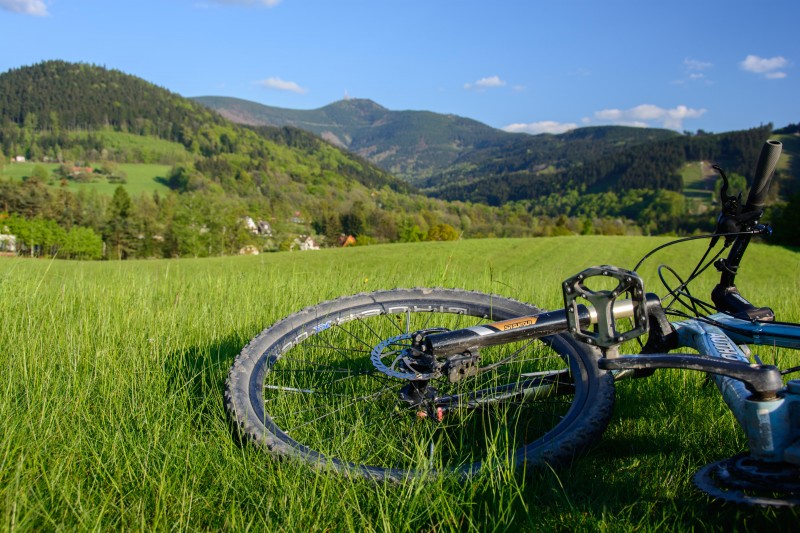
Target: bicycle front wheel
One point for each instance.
(308, 387)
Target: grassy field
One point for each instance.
(111, 410)
(697, 189)
(141, 178)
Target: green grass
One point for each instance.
(111, 410)
(695, 182)
(141, 177)
(145, 148)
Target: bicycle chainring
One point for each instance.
(744, 480)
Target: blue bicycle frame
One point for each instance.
(772, 427)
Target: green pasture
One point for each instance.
(111, 410)
(140, 177)
(696, 187)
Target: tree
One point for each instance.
(442, 232)
(82, 243)
(352, 223)
(144, 220)
(119, 227)
(410, 232)
(787, 224)
(40, 173)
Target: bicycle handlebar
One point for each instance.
(767, 162)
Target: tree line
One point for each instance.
(652, 164)
(206, 221)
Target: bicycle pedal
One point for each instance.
(601, 305)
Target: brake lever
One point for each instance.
(729, 219)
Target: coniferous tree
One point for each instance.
(118, 232)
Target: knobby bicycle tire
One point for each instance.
(306, 388)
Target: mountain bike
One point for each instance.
(396, 384)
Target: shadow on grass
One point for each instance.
(593, 494)
(199, 373)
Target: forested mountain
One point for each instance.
(456, 158)
(409, 144)
(421, 146)
(55, 99)
(577, 161)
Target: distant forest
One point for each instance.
(592, 166)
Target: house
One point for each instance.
(250, 224)
(249, 250)
(304, 243)
(346, 240)
(257, 228)
(264, 228)
(8, 244)
(77, 171)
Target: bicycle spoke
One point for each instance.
(327, 391)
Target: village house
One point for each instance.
(8, 243)
(257, 228)
(304, 243)
(346, 240)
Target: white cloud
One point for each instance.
(648, 115)
(282, 85)
(695, 72)
(267, 3)
(696, 65)
(545, 126)
(769, 67)
(26, 7)
(486, 83)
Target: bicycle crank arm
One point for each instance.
(764, 381)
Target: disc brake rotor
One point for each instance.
(398, 350)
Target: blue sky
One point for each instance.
(523, 65)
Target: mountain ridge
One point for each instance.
(418, 146)
(456, 158)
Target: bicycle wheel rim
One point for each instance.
(345, 414)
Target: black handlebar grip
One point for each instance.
(767, 162)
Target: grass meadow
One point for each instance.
(140, 178)
(111, 410)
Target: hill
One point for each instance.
(592, 161)
(409, 144)
(456, 158)
(81, 123)
(85, 130)
(70, 105)
(422, 146)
